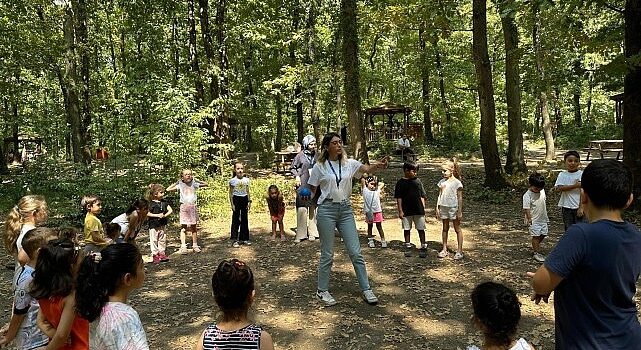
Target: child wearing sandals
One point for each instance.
(371, 189)
(497, 312)
(449, 206)
(410, 199)
(233, 288)
(276, 205)
(187, 187)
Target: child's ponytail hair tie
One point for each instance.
(96, 257)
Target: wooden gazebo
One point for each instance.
(618, 108)
(390, 128)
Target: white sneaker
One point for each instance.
(458, 256)
(539, 257)
(370, 297)
(327, 298)
(236, 244)
(183, 250)
(311, 238)
(370, 243)
(384, 244)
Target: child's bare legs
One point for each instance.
(536, 243)
(459, 234)
(282, 230)
(183, 239)
(446, 227)
(421, 237)
(274, 229)
(370, 226)
(379, 228)
(194, 238)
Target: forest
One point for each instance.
(192, 82)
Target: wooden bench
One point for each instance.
(605, 147)
(283, 160)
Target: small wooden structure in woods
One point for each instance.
(389, 127)
(618, 108)
(24, 147)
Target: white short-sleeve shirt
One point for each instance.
(335, 181)
(372, 200)
(403, 142)
(188, 191)
(569, 199)
(239, 186)
(536, 203)
(448, 196)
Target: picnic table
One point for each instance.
(283, 160)
(604, 147)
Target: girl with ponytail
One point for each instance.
(105, 281)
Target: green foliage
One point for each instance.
(579, 137)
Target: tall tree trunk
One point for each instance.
(589, 103)
(542, 85)
(298, 90)
(71, 86)
(210, 54)
(83, 53)
(578, 71)
(349, 26)
(425, 86)
(193, 55)
(175, 47)
(558, 119)
(221, 88)
(17, 158)
(515, 159)
(632, 95)
(370, 59)
(278, 144)
(441, 86)
(491, 160)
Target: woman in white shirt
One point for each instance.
(333, 175)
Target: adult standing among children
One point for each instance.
(301, 169)
(333, 174)
(132, 220)
(403, 147)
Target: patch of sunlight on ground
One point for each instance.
(431, 327)
(290, 274)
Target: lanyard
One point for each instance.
(339, 176)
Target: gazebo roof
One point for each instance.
(388, 108)
(617, 97)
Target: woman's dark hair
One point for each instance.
(138, 204)
(101, 274)
(498, 309)
(324, 155)
(232, 285)
(53, 275)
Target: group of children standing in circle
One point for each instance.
(67, 297)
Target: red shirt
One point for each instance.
(52, 310)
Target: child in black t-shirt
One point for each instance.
(159, 210)
(410, 200)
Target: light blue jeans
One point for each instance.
(338, 215)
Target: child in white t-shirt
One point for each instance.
(569, 184)
(187, 187)
(536, 214)
(449, 206)
(240, 204)
(372, 208)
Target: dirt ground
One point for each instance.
(424, 303)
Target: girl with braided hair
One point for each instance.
(497, 312)
(233, 289)
(105, 281)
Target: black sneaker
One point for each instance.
(422, 253)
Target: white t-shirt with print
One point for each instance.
(29, 336)
(239, 186)
(324, 177)
(569, 199)
(188, 192)
(117, 328)
(448, 196)
(536, 203)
